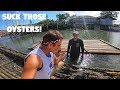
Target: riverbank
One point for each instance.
(113, 30)
(3, 33)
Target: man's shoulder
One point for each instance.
(71, 40)
(33, 56)
(80, 40)
(33, 59)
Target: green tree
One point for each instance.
(113, 14)
(58, 24)
(62, 17)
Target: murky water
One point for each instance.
(101, 61)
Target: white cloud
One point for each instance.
(118, 19)
(77, 13)
(71, 13)
(91, 13)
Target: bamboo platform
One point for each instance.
(8, 68)
(95, 47)
(11, 63)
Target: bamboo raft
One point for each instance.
(8, 68)
(95, 47)
(13, 53)
(11, 63)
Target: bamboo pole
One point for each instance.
(109, 44)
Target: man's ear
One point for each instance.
(40, 42)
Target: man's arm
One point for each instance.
(82, 48)
(58, 64)
(30, 67)
(58, 59)
(68, 48)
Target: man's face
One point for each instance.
(56, 47)
(75, 36)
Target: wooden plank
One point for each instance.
(3, 76)
(100, 47)
(7, 74)
(110, 44)
(95, 46)
(10, 74)
(102, 51)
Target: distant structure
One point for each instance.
(3, 33)
(90, 22)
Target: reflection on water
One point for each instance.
(102, 61)
(86, 62)
(21, 43)
(115, 39)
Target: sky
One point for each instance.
(50, 15)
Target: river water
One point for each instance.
(22, 43)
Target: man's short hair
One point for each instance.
(52, 36)
(75, 32)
